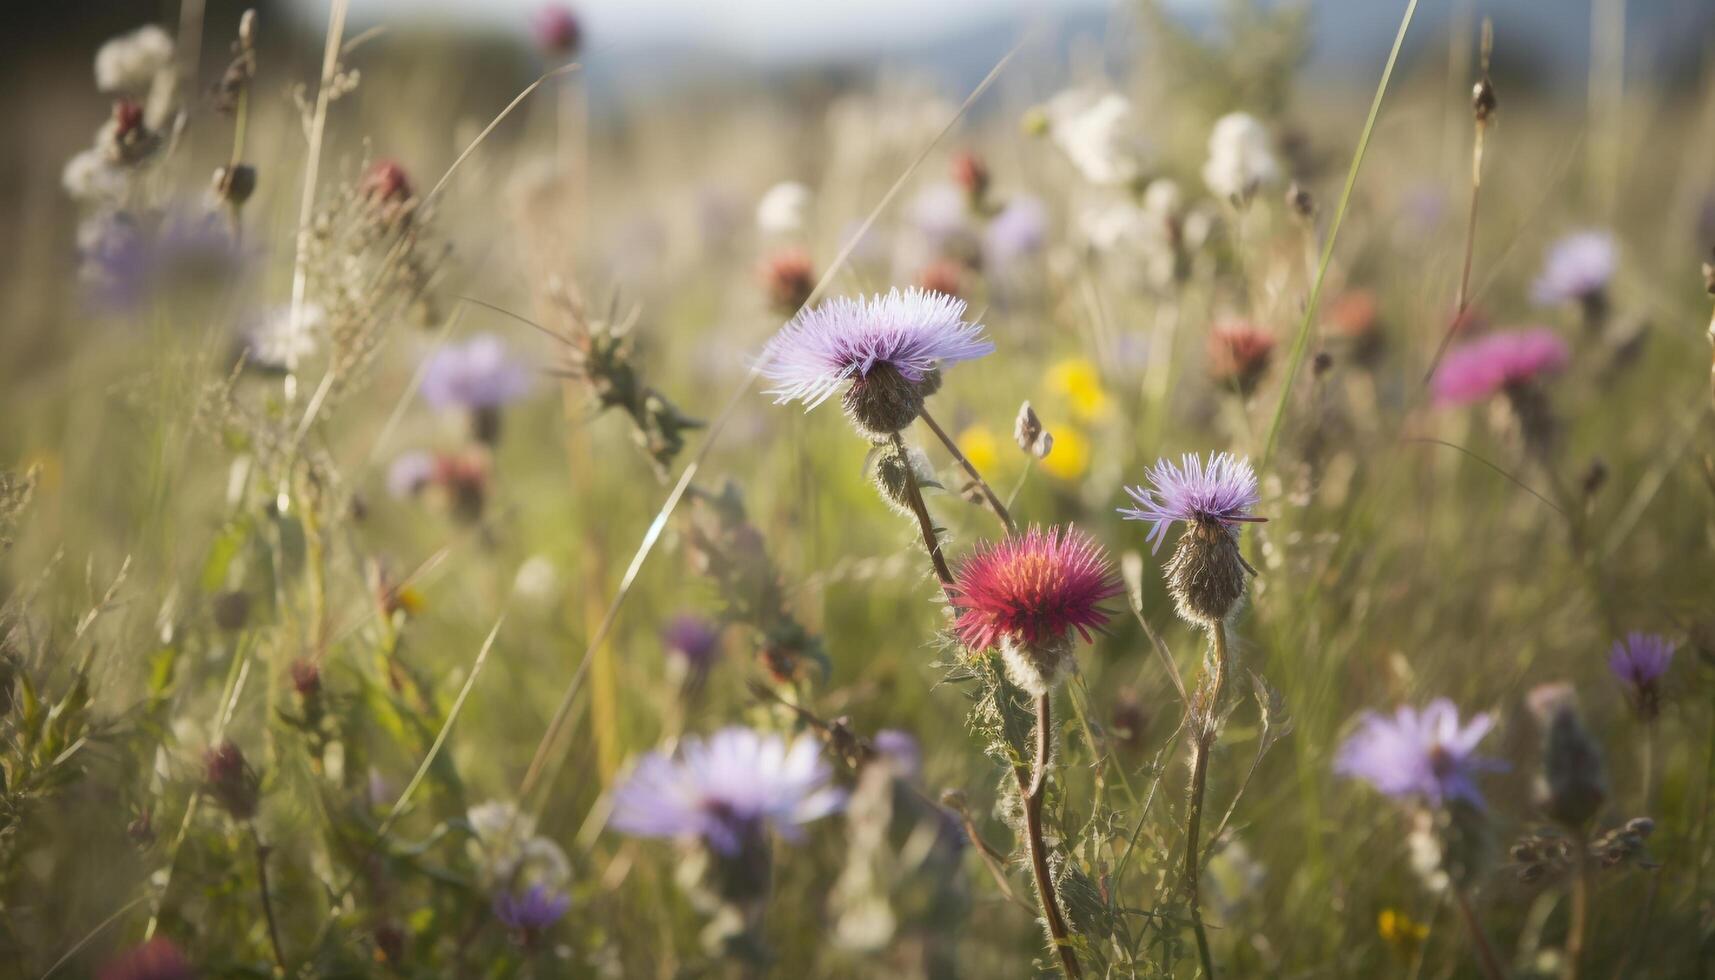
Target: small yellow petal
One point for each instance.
(980, 446)
(1070, 457)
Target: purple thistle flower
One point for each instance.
(410, 473)
(538, 908)
(914, 332)
(727, 789)
(1224, 492)
(1639, 662)
(1427, 755)
(1577, 267)
(478, 374)
(1474, 371)
(694, 640)
(1019, 230)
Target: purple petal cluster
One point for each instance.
(1018, 231)
(727, 789)
(1641, 659)
(1426, 755)
(1474, 371)
(914, 332)
(480, 373)
(537, 908)
(692, 639)
(1577, 267)
(1223, 490)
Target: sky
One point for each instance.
(758, 28)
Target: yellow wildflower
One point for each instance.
(1077, 379)
(980, 446)
(1401, 932)
(1070, 457)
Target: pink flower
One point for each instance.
(1036, 587)
(1474, 371)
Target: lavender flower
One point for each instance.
(1639, 662)
(1425, 755)
(886, 348)
(1018, 231)
(536, 909)
(1222, 492)
(478, 374)
(695, 641)
(727, 790)
(409, 473)
(1577, 267)
(900, 749)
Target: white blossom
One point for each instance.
(1098, 135)
(1241, 157)
(130, 62)
(784, 209)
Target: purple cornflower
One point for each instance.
(1577, 267)
(1424, 754)
(409, 473)
(885, 347)
(1639, 661)
(1223, 492)
(694, 640)
(1474, 371)
(477, 374)
(1019, 230)
(537, 909)
(900, 749)
(727, 790)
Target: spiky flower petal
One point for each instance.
(903, 336)
(727, 789)
(1223, 492)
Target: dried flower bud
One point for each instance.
(387, 188)
(231, 610)
(1571, 788)
(230, 780)
(1026, 428)
(882, 402)
(972, 175)
(1206, 575)
(1300, 200)
(1321, 364)
(789, 277)
(306, 679)
(1594, 479)
(235, 184)
(1483, 101)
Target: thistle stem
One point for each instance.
(1580, 911)
(1203, 720)
(1031, 781)
(1486, 957)
(988, 493)
(268, 903)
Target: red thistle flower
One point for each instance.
(942, 276)
(971, 174)
(157, 959)
(1027, 594)
(789, 277)
(1239, 352)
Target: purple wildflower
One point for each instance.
(1223, 492)
(557, 30)
(538, 908)
(1427, 755)
(478, 374)
(727, 789)
(1019, 230)
(1474, 371)
(941, 212)
(410, 473)
(694, 640)
(1639, 661)
(1577, 267)
(844, 340)
(900, 749)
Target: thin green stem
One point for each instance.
(1486, 957)
(1204, 727)
(1303, 340)
(988, 493)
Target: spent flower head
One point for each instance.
(727, 790)
(1507, 359)
(1028, 594)
(882, 350)
(1426, 755)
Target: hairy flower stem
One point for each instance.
(268, 903)
(1486, 957)
(988, 493)
(1213, 686)
(1032, 782)
(1580, 910)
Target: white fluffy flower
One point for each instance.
(131, 61)
(91, 178)
(537, 580)
(784, 210)
(1097, 133)
(1241, 156)
(272, 343)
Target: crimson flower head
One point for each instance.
(1027, 594)
(1501, 361)
(1239, 352)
